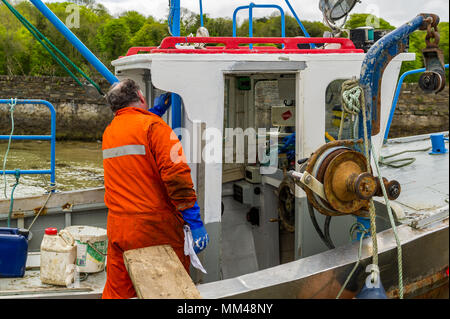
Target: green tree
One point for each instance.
(134, 20)
(357, 20)
(219, 27)
(271, 27)
(114, 39)
(151, 34)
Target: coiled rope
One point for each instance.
(351, 96)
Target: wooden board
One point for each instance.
(157, 273)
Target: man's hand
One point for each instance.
(161, 104)
(201, 239)
(192, 217)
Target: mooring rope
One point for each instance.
(11, 111)
(353, 100)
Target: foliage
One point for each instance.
(109, 37)
(363, 20)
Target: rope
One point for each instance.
(360, 227)
(407, 160)
(11, 204)
(11, 111)
(351, 96)
(394, 229)
(50, 192)
(352, 101)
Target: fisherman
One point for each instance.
(148, 191)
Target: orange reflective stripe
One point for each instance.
(124, 150)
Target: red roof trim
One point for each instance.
(235, 45)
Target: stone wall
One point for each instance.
(419, 113)
(81, 116)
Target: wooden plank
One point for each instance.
(157, 273)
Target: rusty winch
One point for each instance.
(338, 182)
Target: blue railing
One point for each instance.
(51, 138)
(250, 18)
(397, 95)
(283, 19)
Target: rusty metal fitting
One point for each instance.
(365, 186)
(393, 188)
(429, 20)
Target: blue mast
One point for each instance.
(174, 25)
(201, 13)
(72, 38)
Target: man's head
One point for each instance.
(124, 94)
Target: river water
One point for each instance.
(78, 166)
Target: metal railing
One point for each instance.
(51, 138)
(397, 95)
(250, 18)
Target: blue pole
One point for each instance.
(250, 22)
(313, 46)
(397, 95)
(201, 13)
(72, 38)
(176, 31)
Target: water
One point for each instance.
(78, 166)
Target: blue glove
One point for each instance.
(192, 217)
(288, 143)
(162, 103)
(289, 140)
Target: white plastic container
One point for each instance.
(58, 255)
(92, 245)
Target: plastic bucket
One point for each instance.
(92, 244)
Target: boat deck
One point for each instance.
(424, 183)
(423, 204)
(30, 286)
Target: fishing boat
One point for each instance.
(271, 162)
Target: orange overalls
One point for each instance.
(147, 183)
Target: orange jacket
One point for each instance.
(139, 150)
(147, 183)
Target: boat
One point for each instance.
(260, 213)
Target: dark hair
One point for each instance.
(122, 94)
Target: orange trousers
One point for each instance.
(128, 231)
